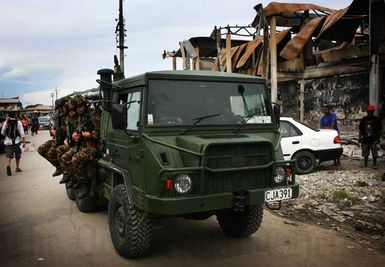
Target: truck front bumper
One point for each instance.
(210, 202)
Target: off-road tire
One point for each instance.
(241, 223)
(130, 227)
(70, 193)
(88, 203)
(305, 162)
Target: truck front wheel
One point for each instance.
(241, 223)
(130, 227)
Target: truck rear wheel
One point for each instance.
(241, 223)
(70, 193)
(88, 203)
(130, 227)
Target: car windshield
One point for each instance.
(206, 103)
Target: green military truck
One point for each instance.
(186, 143)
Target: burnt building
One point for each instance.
(316, 55)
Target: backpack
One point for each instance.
(13, 131)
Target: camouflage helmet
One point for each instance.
(79, 100)
(70, 104)
(59, 103)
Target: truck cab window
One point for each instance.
(133, 111)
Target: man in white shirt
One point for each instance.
(13, 131)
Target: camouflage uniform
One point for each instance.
(87, 147)
(48, 149)
(64, 152)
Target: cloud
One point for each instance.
(47, 44)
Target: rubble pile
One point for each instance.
(349, 197)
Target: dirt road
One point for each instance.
(40, 226)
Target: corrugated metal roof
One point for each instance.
(295, 45)
(9, 101)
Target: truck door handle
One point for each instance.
(295, 142)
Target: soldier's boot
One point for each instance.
(366, 161)
(374, 161)
(82, 190)
(65, 179)
(57, 172)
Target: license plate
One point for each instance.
(278, 194)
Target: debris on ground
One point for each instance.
(349, 198)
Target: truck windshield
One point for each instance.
(187, 102)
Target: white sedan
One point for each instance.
(306, 145)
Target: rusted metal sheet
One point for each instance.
(332, 19)
(295, 45)
(251, 46)
(275, 8)
(282, 34)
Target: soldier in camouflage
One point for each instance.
(86, 137)
(48, 149)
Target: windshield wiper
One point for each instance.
(245, 120)
(198, 120)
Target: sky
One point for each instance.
(47, 44)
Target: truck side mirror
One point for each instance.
(106, 87)
(276, 113)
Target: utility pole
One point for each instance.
(120, 32)
(52, 94)
(56, 93)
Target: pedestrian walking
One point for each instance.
(369, 135)
(13, 131)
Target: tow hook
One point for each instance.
(274, 205)
(241, 200)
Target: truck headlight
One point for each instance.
(279, 174)
(182, 183)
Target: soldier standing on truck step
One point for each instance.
(87, 146)
(48, 149)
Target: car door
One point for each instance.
(291, 139)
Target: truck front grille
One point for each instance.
(238, 155)
(215, 182)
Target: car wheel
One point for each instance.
(305, 162)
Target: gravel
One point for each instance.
(349, 198)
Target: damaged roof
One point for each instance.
(322, 24)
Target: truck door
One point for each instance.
(123, 146)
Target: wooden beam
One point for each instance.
(228, 53)
(197, 60)
(331, 71)
(273, 59)
(174, 63)
(183, 52)
(301, 99)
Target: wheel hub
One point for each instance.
(120, 219)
